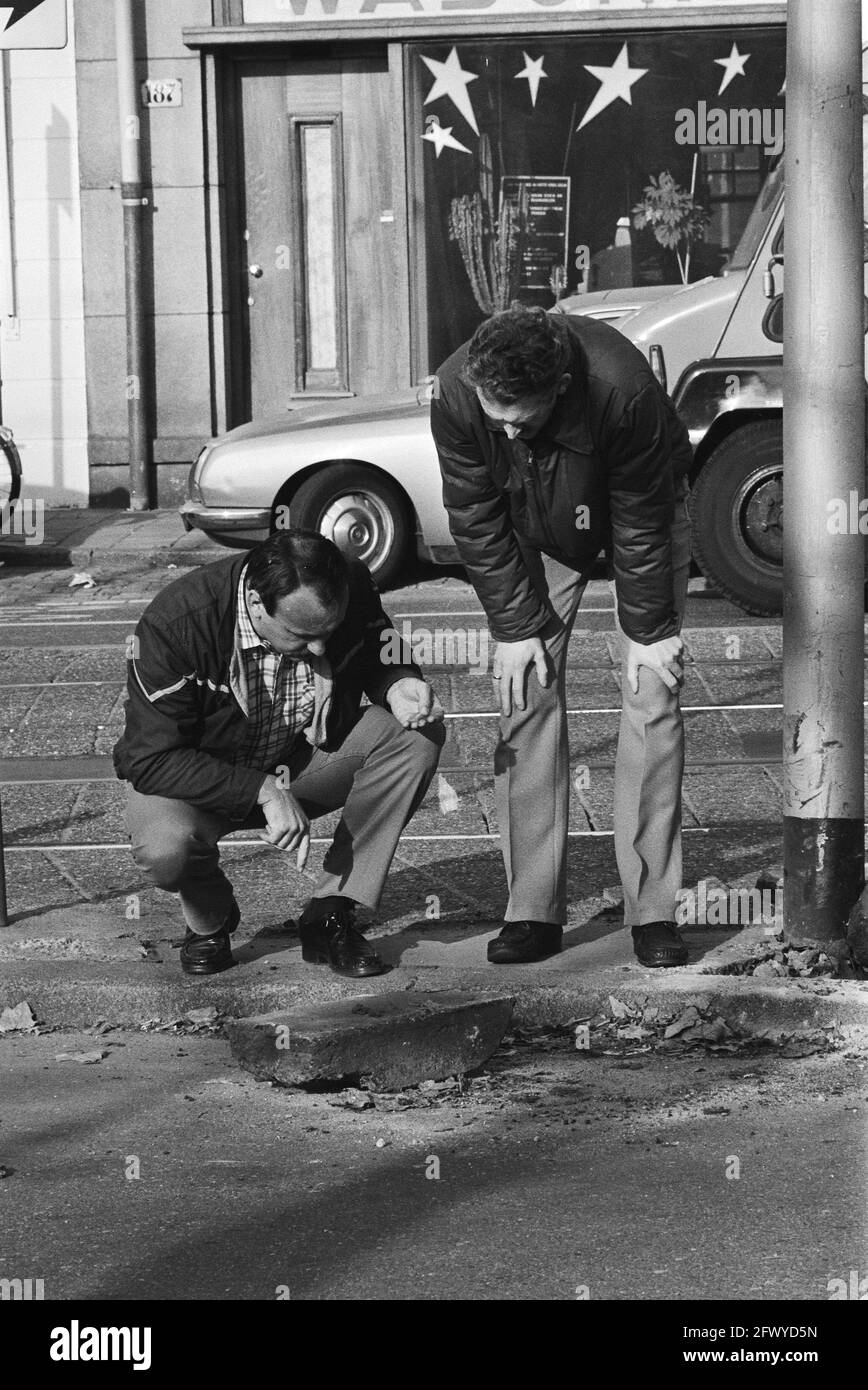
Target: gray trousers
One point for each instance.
(379, 776)
(532, 771)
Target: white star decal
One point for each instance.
(533, 71)
(441, 137)
(451, 81)
(733, 66)
(615, 81)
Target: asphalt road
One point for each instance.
(166, 1172)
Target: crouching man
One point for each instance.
(245, 681)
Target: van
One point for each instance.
(717, 347)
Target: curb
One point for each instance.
(79, 994)
(81, 556)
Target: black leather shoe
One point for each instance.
(659, 945)
(522, 942)
(208, 955)
(336, 941)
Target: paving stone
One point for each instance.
(57, 721)
(393, 1040)
(106, 665)
(39, 812)
(446, 811)
(755, 643)
(744, 682)
(589, 648)
(19, 664)
(731, 796)
(708, 738)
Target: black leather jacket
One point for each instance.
(613, 446)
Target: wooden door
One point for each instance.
(326, 229)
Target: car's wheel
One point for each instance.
(361, 511)
(737, 513)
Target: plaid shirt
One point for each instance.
(280, 693)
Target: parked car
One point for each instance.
(10, 474)
(365, 471)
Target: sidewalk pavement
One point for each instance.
(94, 956)
(80, 537)
(86, 962)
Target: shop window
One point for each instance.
(531, 155)
(321, 347)
(730, 179)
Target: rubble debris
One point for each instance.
(20, 1019)
(205, 1020)
(784, 961)
(86, 1059)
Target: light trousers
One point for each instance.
(379, 776)
(532, 768)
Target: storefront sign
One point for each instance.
(295, 11)
(547, 203)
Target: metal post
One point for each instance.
(141, 486)
(824, 452)
(4, 913)
(7, 310)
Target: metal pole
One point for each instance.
(141, 488)
(8, 309)
(824, 452)
(4, 913)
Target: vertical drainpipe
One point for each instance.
(8, 307)
(824, 454)
(141, 479)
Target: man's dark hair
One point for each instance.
(516, 355)
(291, 560)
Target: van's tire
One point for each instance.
(736, 509)
(362, 511)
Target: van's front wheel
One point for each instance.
(737, 512)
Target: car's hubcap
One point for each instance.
(361, 526)
(759, 508)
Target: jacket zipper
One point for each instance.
(532, 478)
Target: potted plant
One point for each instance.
(675, 218)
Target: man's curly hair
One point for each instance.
(517, 354)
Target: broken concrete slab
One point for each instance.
(391, 1039)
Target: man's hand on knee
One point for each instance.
(511, 662)
(665, 658)
(287, 826)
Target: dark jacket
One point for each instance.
(614, 444)
(184, 724)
